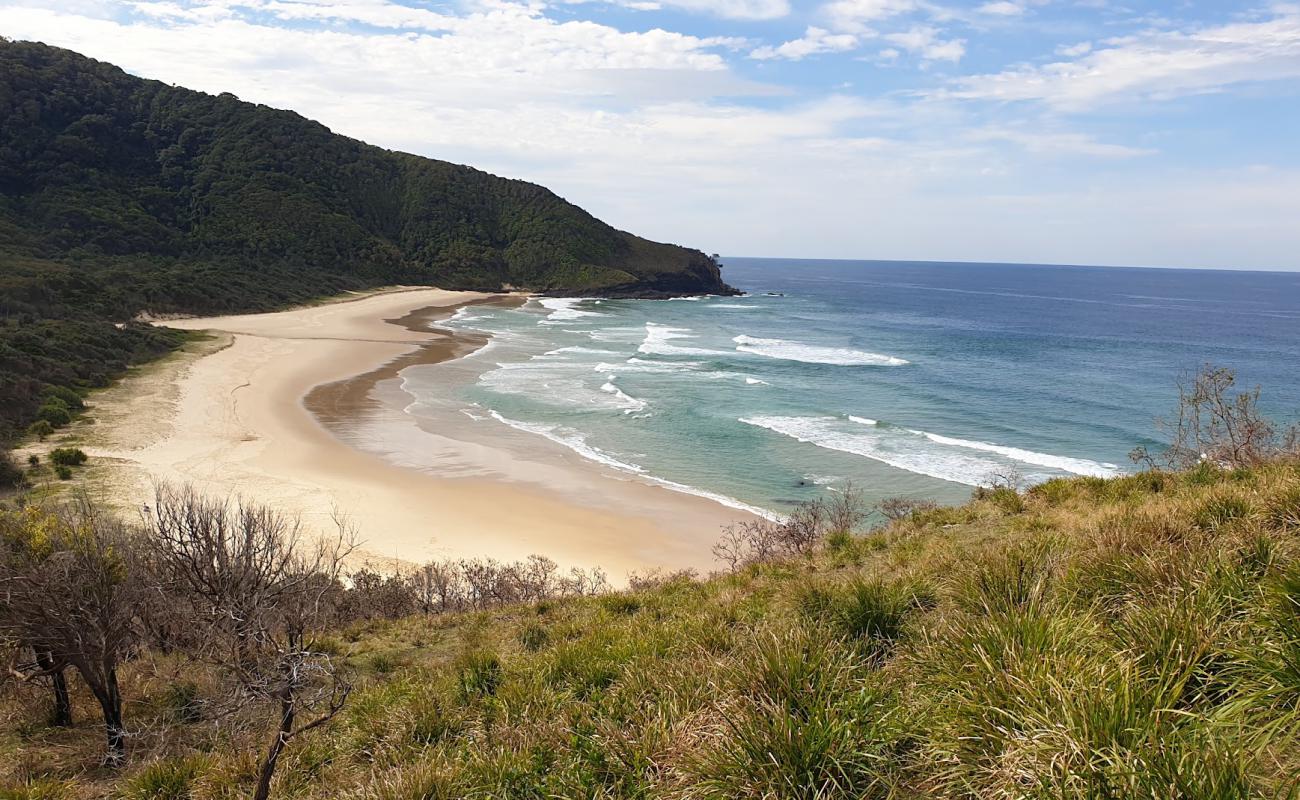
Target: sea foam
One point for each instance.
(813, 354)
(658, 340)
(578, 444)
(921, 452)
(564, 309)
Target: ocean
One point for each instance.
(906, 378)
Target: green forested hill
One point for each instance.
(120, 195)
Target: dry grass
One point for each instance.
(1138, 637)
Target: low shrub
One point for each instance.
(55, 412)
(41, 429)
(11, 476)
(67, 457)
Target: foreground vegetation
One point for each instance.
(120, 195)
(1133, 637)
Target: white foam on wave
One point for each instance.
(622, 334)
(641, 365)
(1076, 466)
(578, 443)
(629, 403)
(570, 439)
(579, 350)
(487, 347)
(829, 433)
(658, 340)
(564, 309)
(924, 453)
(756, 382)
(813, 354)
(462, 316)
(556, 382)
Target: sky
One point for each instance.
(1125, 132)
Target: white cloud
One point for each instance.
(726, 9)
(815, 40)
(1055, 143)
(1074, 50)
(1152, 65)
(854, 16)
(1002, 8)
(925, 42)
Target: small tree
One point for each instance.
(41, 429)
(261, 595)
(69, 594)
(846, 509)
(896, 508)
(1216, 424)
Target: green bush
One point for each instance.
(69, 397)
(40, 429)
(64, 472)
(10, 474)
(67, 457)
(54, 412)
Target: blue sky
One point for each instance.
(1128, 132)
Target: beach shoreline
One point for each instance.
(257, 412)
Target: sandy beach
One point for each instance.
(230, 417)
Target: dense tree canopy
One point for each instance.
(120, 195)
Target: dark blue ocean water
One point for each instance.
(905, 377)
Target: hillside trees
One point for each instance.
(120, 195)
(69, 596)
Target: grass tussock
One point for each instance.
(1128, 638)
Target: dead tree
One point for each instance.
(70, 590)
(846, 509)
(1218, 425)
(261, 593)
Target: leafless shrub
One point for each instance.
(896, 508)
(1009, 477)
(467, 584)
(654, 578)
(747, 542)
(1217, 425)
(259, 595)
(437, 587)
(846, 508)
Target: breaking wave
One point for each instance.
(924, 453)
(813, 354)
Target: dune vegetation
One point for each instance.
(1131, 637)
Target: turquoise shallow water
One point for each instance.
(906, 378)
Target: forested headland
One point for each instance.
(120, 195)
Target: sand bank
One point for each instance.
(230, 418)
